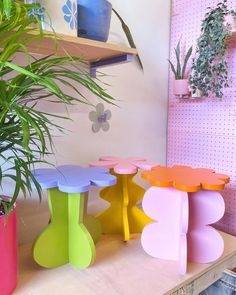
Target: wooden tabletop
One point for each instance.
(122, 269)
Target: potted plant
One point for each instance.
(209, 70)
(181, 87)
(94, 18)
(8, 249)
(24, 129)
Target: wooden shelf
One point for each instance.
(89, 50)
(97, 54)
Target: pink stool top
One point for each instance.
(124, 166)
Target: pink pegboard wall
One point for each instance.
(202, 133)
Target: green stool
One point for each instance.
(71, 235)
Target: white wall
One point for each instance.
(138, 127)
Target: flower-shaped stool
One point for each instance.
(183, 202)
(123, 216)
(71, 235)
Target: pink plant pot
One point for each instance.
(181, 87)
(8, 254)
(230, 21)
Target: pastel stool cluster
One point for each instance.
(184, 202)
(123, 216)
(71, 235)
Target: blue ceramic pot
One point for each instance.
(94, 18)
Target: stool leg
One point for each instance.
(66, 238)
(51, 247)
(92, 224)
(205, 243)
(111, 219)
(82, 250)
(137, 218)
(123, 216)
(125, 205)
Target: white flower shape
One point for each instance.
(100, 118)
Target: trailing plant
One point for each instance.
(26, 132)
(179, 70)
(209, 69)
(128, 35)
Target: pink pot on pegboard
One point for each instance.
(8, 254)
(230, 21)
(181, 87)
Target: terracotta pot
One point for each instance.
(181, 87)
(8, 254)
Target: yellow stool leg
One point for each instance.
(123, 216)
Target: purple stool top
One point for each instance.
(73, 178)
(124, 166)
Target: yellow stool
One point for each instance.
(123, 216)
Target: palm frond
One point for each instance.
(26, 134)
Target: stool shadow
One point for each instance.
(112, 246)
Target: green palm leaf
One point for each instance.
(25, 132)
(7, 5)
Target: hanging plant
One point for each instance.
(209, 69)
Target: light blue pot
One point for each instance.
(94, 18)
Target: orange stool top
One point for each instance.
(185, 178)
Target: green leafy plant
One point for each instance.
(179, 71)
(209, 69)
(26, 132)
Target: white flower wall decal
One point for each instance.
(100, 118)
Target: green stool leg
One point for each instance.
(66, 239)
(92, 224)
(82, 250)
(51, 247)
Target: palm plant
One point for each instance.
(24, 130)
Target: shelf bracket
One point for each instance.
(109, 61)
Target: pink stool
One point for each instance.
(183, 202)
(123, 216)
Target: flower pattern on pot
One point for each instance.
(100, 118)
(70, 13)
